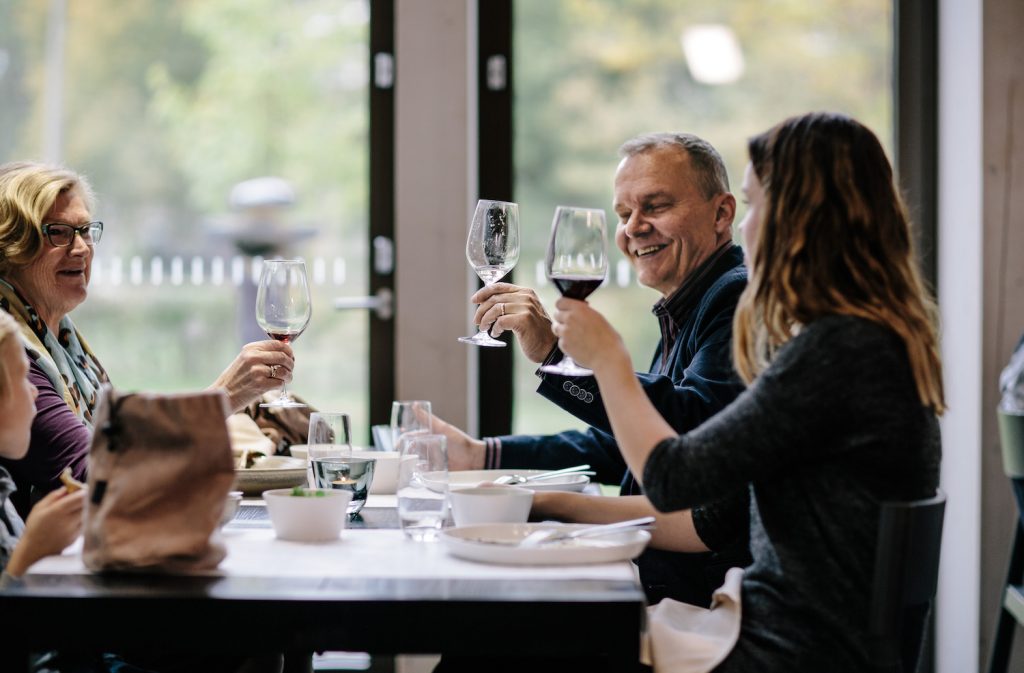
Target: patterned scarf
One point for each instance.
(65, 358)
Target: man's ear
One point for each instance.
(725, 213)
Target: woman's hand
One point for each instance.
(504, 306)
(261, 366)
(585, 335)
(52, 525)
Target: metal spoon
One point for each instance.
(520, 479)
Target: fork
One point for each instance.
(546, 535)
(520, 479)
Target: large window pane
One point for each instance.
(172, 109)
(592, 73)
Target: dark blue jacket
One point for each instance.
(691, 378)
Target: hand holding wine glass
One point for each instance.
(492, 249)
(576, 263)
(283, 309)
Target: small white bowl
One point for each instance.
(385, 472)
(307, 518)
(491, 504)
(231, 505)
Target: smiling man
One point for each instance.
(675, 212)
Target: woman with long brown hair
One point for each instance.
(834, 336)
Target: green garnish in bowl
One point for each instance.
(301, 492)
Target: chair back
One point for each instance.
(905, 580)
(1011, 436)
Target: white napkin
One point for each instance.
(684, 638)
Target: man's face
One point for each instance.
(667, 228)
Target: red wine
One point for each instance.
(286, 337)
(576, 287)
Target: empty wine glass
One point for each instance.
(283, 309)
(577, 262)
(492, 249)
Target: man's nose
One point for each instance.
(636, 225)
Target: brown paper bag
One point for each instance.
(160, 469)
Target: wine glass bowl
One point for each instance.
(492, 248)
(576, 264)
(283, 309)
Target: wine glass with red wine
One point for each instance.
(492, 248)
(283, 308)
(577, 262)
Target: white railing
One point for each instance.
(178, 270)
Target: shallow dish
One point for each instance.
(473, 478)
(496, 543)
(269, 473)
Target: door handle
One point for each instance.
(382, 303)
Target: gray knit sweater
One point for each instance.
(830, 430)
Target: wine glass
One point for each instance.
(492, 249)
(283, 308)
(577, 261)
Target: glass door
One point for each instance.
(216, 133)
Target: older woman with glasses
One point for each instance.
(47, 238)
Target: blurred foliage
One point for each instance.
(589, 74)
(168, 105)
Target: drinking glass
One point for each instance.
(576, 262)
(329, 437)
(283, 308)
(423, 486)
(492, 249)
(345, 473)
(409, 416)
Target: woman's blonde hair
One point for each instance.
(8, 330)
(27, 193)
(834, 240)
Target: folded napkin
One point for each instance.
(684, 638)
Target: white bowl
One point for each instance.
(491, 504)
(385, 472)
(231, 505)
(307, 518)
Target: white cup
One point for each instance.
(508, 504)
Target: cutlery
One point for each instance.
(548, 535)
(520, 479)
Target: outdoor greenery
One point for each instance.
(166, 106)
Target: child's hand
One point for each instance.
(52, 525)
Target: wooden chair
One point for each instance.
(906, 576)
(1011, 613)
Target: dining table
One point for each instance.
(371, 590)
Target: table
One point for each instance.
(372, 590)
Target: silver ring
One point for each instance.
(502, 305)
(273, 371)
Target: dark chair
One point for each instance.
(903, 589)
(1011, 613)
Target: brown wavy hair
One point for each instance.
(834, 240)
(28, 191)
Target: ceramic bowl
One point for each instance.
(231, 505)
(318, 515)
(491, 504)
(385, 474)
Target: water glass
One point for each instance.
(423, 486)
(411, 416)
(329, 437)
(345, 474)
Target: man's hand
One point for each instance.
(504, 306)
(464, 452)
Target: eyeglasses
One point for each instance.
(63, 235)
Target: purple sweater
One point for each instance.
(59, 440)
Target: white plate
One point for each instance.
(471, 478)
(483, 543)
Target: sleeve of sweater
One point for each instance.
(810, 393)
(59, 440)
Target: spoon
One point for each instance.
(547, 535)
(520, 479)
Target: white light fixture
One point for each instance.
(713, 53)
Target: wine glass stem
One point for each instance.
(284, 392)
